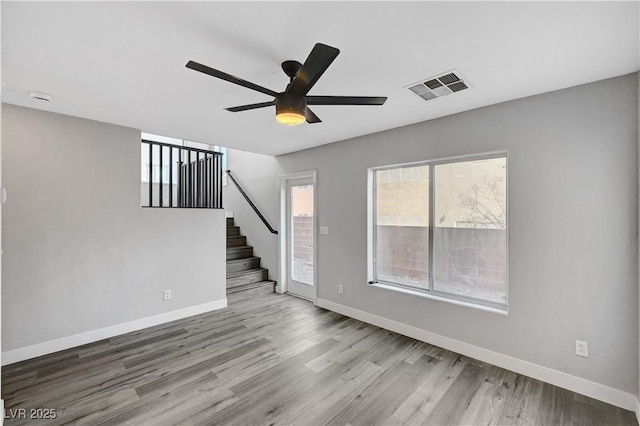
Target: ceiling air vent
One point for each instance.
(41, 96)
(440, 85)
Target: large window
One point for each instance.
(440, 228)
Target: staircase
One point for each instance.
(243, 268)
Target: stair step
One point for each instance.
(239, 252)
(229, 221)
(233, 230)
(250, 286)
(236, 241)
(247, 277)
(243, 264)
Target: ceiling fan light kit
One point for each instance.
(290, 118)
(291, 109)
(291, 105)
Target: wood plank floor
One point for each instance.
(274, 359)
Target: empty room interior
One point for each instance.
(301, 212)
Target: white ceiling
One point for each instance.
(124, 62)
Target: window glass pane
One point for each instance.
(302, 233)
(470, 241)
(159, 138)
(225, 156)
(199, 145)
(402, 226)
(393, 175)
(416, 172)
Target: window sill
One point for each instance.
(492, 309)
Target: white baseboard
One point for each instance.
(576, 384)
(51, 346)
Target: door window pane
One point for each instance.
(302, 233)
(402, 226)
(470, 235)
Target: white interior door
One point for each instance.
(300, 237)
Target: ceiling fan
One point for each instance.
(292, 104)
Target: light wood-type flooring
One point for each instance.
(274, 359)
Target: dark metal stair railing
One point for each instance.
(253, 206)
(198, 176)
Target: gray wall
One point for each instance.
(573, 176)
(257, 175)
(1, 244)
(79, 252)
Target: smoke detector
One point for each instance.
(439, 85)
(41, 96)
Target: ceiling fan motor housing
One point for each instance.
(291, 103)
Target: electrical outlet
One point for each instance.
(166, 295)
(582, 348)
(340, 289)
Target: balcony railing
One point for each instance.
(180, 177)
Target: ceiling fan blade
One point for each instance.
(228, 77)
(251, 106)
(311, 117)
(345, 100)
(316, 64)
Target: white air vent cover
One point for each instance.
(41, 96)
(439, 85)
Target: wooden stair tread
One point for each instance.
(242, 259)
(239, 248)
(233, 231)
(245, 272)
(239, 252)
(243, 287)
(236, 240)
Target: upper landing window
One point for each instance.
(440, 228)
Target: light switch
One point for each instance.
(324, 230)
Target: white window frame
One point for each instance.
(431, 292)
